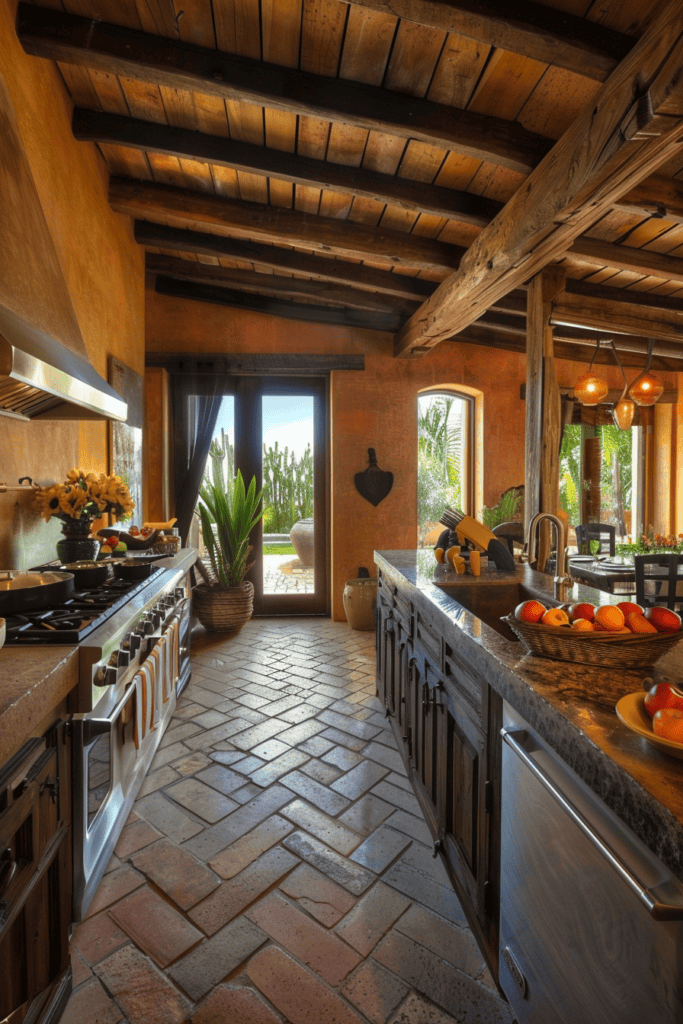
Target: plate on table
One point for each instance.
(631, 711)
(581, 558)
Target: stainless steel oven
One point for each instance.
(591, 928)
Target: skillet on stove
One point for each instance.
(22, 590)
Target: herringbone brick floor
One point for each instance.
(277, 867)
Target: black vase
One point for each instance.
(77, 545)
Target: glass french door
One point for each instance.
(276, 430)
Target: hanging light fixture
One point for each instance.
(591, 389)
(623, 410)
(646, 389)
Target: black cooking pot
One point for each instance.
(88, 574)
(27, 591)
(132, 569)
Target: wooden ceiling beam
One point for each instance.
(611, 146)
(182, 208)
(173, 64)
(533, 30)
(285, 309)
(596, 314)
(656, 196)
(275, 285)
(421, 197)
(615, 299)
(339, 272)
(624, 257)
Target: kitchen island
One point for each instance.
(443, 674)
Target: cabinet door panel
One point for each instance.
(424, 728)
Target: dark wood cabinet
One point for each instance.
(35, 879)
(447, 724)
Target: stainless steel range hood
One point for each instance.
(42, 379)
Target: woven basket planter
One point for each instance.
(223, 609)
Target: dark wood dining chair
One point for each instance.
(512, 533)
(663, 571)
(602, 532)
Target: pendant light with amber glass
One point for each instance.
(646, 389)
(623, 410)
(591, 389)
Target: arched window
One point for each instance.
(446, 429)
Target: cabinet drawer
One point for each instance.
(472, 691)
(429, 639)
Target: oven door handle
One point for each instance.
(664, 902)
(91, 728)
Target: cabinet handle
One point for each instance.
(52, 787)
(8, 869)
(436, 848)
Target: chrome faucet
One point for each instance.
(563, 578)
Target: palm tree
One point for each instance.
(439, 458)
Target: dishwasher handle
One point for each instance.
(664, 902)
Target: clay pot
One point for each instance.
(302, 537)
(360, 599)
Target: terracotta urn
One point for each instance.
(302, 537)
(360, 599)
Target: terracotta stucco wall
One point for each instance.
(102, 265)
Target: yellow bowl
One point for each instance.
(631, 711)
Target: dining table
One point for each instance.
(616, 574)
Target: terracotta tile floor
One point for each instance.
(276, 865)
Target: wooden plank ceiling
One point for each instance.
(336, 161)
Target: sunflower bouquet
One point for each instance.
(84, 497)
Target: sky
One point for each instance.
(287, 420)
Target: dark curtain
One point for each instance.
(196, 400)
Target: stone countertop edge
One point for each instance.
(570, 706)
(31, 686)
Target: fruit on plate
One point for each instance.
(639, 624)
(530, 611)
(555, 617)
(582, 610)
(663, 695)
(629, 608)
(668, 723)
(582, 626)
(663, 619)
(610, 618)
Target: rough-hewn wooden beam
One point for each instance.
(337, 271)
(623, 257)
(182, 208)
(656, 196)
(275, 285)
(177, 65)
(361, 319)
(616, 318)
(616, 299)
(611, 146)
(569, 348)
(543, 33)
(93, 126)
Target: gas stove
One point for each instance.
(73, 620)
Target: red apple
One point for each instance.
(663, 695)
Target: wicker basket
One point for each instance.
(223, 609)
(613, 649)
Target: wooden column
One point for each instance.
(590, 476)
(543, 429)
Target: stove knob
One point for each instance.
(106, 675)
(123, 658)
(134, 640)
(155, 618)
(147, 626)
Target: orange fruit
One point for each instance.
(639, 624)
(629, 608)
(610, 617)
(668, 723)
(583, 610)
(582, 626)
(663, 619)
(555, 617)
(530, 611)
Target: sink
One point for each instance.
(489, 601)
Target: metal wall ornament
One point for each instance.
(374, 483)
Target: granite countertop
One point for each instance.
(34, 680)
(570, 705)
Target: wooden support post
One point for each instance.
(543, 405)
(590, 476)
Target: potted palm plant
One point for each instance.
(226, 602)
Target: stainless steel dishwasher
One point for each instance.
(591, 928)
